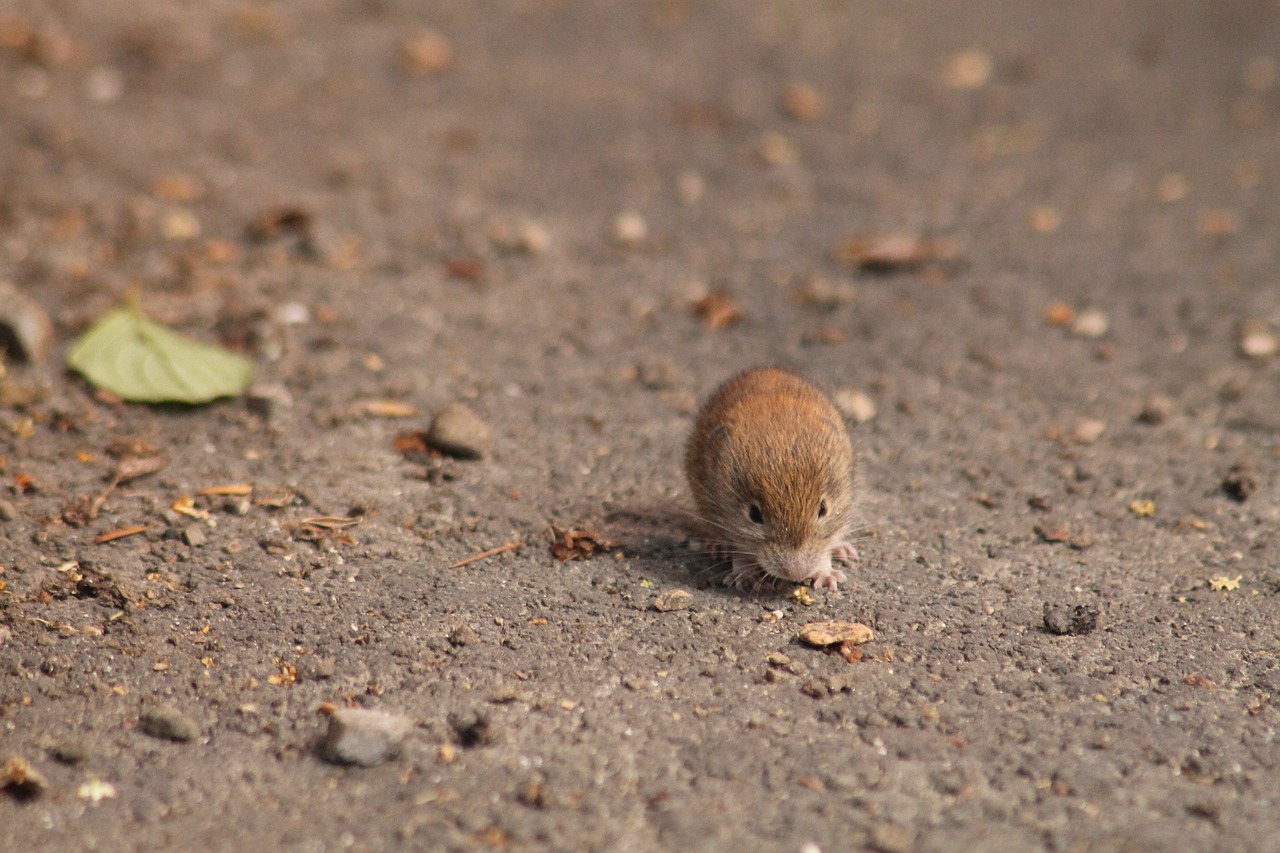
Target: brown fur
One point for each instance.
(770, 438)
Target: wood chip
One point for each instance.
(231, 489)
(120, 533)
(500, 549)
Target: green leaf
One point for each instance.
(140, 360)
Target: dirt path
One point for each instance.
(577, 218)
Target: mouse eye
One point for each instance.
(756, 514)
(822, 508)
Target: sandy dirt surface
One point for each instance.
(1037, 238)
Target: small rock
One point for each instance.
(463, 635)
(472, 728)
(672, 599)
(458, 432)
(25, 330)
(1090, 323)
(968, 69)
(1088, 430)
(891, 838)
(1258, 340)
(1156, 410)
(268, 400)
(165, 721)
(194, 535)
(659, 375)
(1070, 621)
(629, 229)
(830, 633)
(803, 103)
(777, 149)
(855, 405)
(313, 668)
(363, 736)
(427, 52)
(8, 512)
(1240, 482)
(69, 751)
(20, 780)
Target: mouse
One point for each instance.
(771, 468)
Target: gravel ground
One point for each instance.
(1032, 246)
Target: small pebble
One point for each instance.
(463, 635)
(1257, 340)
(427, 52)
(777, 150)
(165, 721)
(855, 405)
(672, 599)
(1090, 323)
(472, 727)
(458, 432)
(1070, 621)
(1156, 410)
(629, 229)
(803, 103)
(69, 751)
(969, 69)
(313, 668)
(104, 84)
(26, 332)
(1240, 482)
(1088, 430)
(8, 512)
(268, 400)
(363, 736)
(691, 187)
(194, 535)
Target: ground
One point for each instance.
(577, 218)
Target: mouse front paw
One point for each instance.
(830, 578)
(845, 552)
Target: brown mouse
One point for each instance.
(771, 469)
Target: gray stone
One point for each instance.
(165, 721)
(457, 431)
(363, 737)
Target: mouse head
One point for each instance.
(785, 495)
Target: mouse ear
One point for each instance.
(714, 444)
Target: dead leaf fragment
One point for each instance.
(830, 633)
(577, 544)
(894, 252)
(1143, 509)
(1199, 681)
(717, 310)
